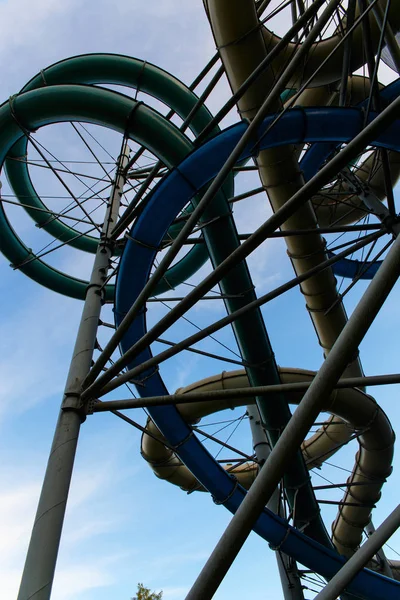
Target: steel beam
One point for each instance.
(390, 38)
(287, 388)
(386, 569)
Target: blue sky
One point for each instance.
(123, 525)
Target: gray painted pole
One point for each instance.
(363, 555)
(262, 489)
(290, 579)
(38, 574)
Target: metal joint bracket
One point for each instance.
(73, 401)
(183, 441)
(99, 291)
(104, 244)
(142, 381)
(143, 244)
(90, 404)
(130, 117)
(11, 103)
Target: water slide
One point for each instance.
(235, 22)
(243, 43)
(324, 443)
(334, 205)
(128, 72)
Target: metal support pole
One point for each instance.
(293, 9)
(290, 579)
(364, 554)
(262, 489)
(37, 578)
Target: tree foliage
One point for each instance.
(144, 593)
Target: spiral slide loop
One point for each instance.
(99, 69)
(34, 110)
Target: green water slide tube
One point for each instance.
(62, 103)
(128, 72)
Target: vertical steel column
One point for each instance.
(343, 577)
(290, 579)
(262, 489)
(38, 574)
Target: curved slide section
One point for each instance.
(131, 73)
(332, 70)
(351, 268)
(319, 52)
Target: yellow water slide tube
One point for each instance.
(358, 412)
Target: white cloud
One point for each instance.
(76, 579)
(30, 32)
(16, 517)
(17, 509)
(183, 372)
(88, 518)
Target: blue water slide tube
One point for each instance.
(325, 125)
